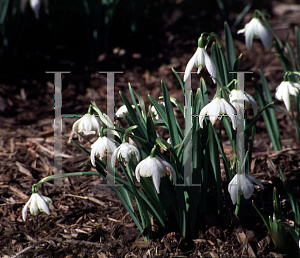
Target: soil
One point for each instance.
(87, 219)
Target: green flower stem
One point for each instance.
(152, 154)
(95, 107)
(201, 42)
(90, 109)
(213, 34)
(48, 178)
(102, 131)
(286, 75)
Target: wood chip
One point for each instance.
(242, 238)
(23, 170)
(19, 193)
(90, 198)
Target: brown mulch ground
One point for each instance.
(87, 220)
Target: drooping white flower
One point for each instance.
(102, 147)
(285, 90)
(201, 59)
(242, 101)
(35, 6)
(216, 109)
(242, 184)
(155, 167)
(88, 124)
(257, 29)
(154, 113)
(122, 111)
(37, 202)
(124, 153)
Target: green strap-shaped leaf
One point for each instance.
(230, 51)
(263, 216)
(142, 115)
(179, 79)
(297, 39)
(241, 16)
(215, 162)
(141, 131)
(270, 111)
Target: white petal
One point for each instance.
(24, 211)
(35, 6)
(114, 156)
(210, 66)
(252, 101)
(265, 34)
(33, 204)
(42, 204)
(256, 181)
(169, 166)
(246, 186)
(136, 153)
(297, 85)
(241, 31)
(46, 199)
(203, 113)
(93, 152)
(286, 100)
(214, 110)
(231, 112)
(156, 181)
(189, 67)
(137, 171)
(233, 189)
(249, 33)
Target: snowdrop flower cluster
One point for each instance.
(242, 184)
(102, 147)
(285, 90)
(257, 29)
(124, 153)
(37, 202)
(35, 6)
(201, 59)
(155, 167)
(216, 109)
(88, 124)
(242, 101)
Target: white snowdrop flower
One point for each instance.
(216, 109)
(242, 101)
(242, 184)
(257, 29)
(124, 153)
(37, 202)
(155, 167)
(285, 90)
(122, 111)
(154, 113)
(35, 6)
(201, 59)
(88, 124)
(169, 140)
(102, 147)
